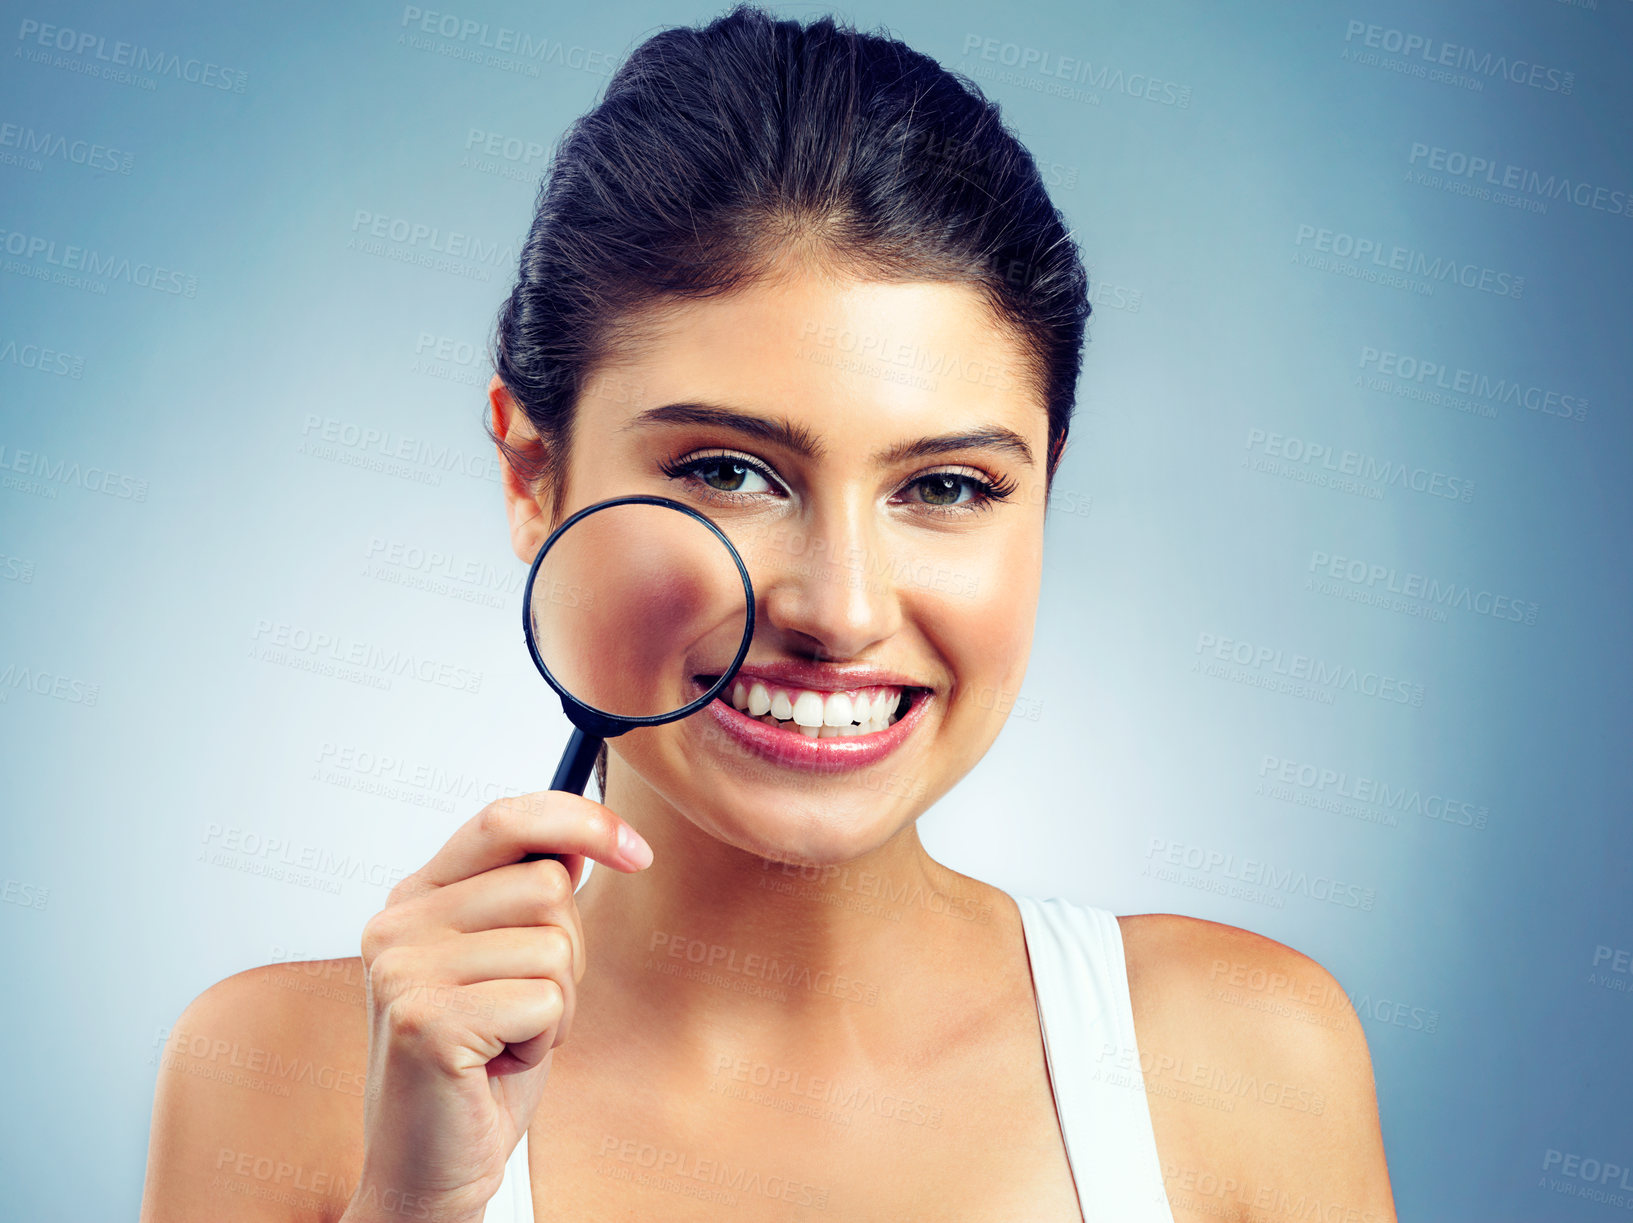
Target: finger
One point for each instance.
(467, 987)
(523, 894)
(527, 1016)
(548, 821)
(497, 955)
(462, 961)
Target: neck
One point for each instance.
(732, 948)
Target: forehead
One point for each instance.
(845, 358)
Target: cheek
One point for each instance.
(984, 625)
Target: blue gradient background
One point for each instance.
(116, 915)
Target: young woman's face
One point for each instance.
(874, 453)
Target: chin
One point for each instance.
(808, 832)
(783, 815)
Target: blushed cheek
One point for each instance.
(986, 631)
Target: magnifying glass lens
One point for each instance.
(633, 600)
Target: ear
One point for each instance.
(526, 500)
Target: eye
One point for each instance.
(729, 474)
(946, 490)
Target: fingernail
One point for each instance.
(634, 847)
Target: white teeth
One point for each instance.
(808, 709)
(837, 711)
(825, 715)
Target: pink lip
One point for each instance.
(794, 750)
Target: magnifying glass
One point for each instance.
(626, 602)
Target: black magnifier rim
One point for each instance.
(621, 721)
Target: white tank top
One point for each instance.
(1087, 1018)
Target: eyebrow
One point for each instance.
(802, 441)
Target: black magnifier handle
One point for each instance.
(573, 773)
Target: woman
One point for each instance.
(806, 281)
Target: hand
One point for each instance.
(472, 969)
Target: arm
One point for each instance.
(258, 1105)
(1259, 1076)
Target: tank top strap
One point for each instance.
(512, 1202)
(1087, 1018)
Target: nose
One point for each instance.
(823, 586)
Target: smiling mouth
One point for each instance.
(818, 714)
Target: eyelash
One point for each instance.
(988, 492)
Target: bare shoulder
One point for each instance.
(1257, 1072)
(258, 1107)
